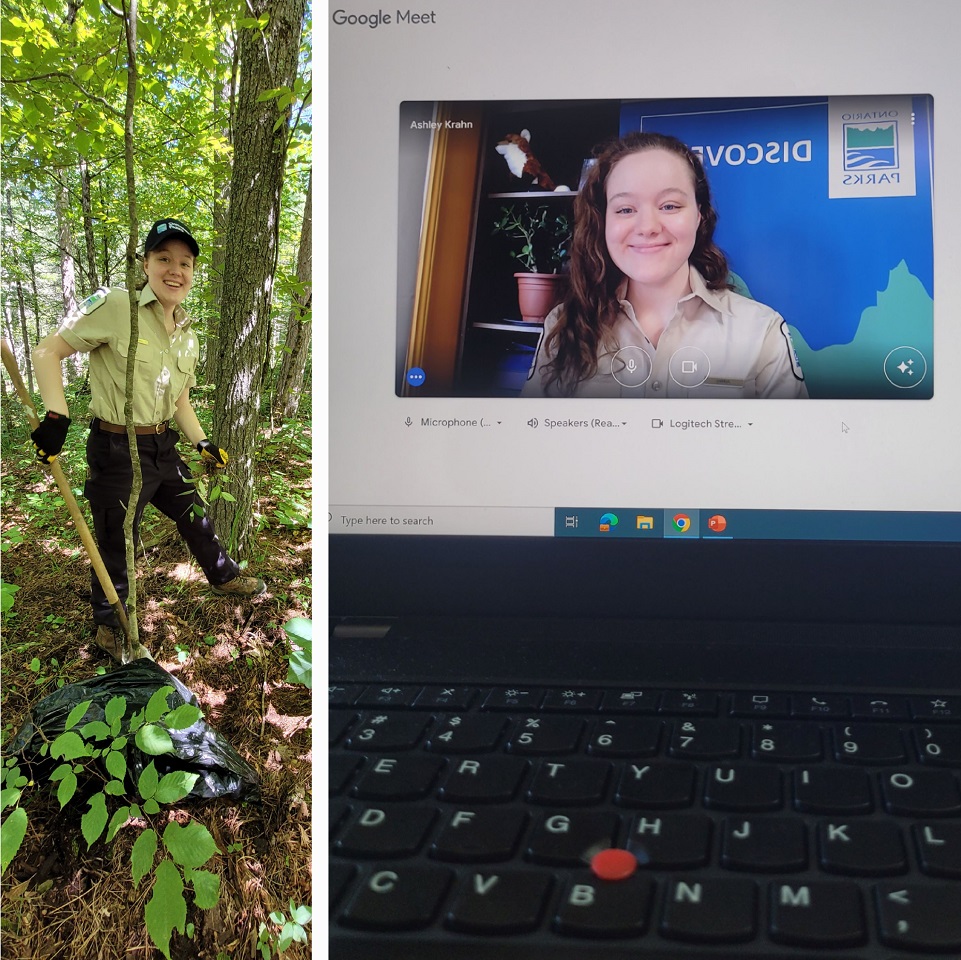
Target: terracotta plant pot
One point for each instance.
(539, 293)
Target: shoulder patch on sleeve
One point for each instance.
(94, 301)
(791, 352)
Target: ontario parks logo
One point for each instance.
(871, 146)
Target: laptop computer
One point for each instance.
(678, 678)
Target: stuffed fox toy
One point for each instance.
(516, 150)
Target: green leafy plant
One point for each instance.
(300, 631)
(7, 598)
(545, 238)
(98, 748)
(272, 942)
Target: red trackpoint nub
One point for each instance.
(614, 864)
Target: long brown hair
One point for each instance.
(591, 305)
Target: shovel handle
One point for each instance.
(96, 561)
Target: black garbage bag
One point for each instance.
(196, 749)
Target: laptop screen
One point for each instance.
(748, 314)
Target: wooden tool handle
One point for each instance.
(96, 561)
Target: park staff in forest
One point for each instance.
(167, 354)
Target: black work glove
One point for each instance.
(212, 455)
(49, 436)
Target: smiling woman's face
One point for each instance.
(651, 218)
(170, 272)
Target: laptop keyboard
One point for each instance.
(500, 822)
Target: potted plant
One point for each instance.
(545, 240)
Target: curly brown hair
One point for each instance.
(591, 304)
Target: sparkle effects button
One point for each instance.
(614, 864)
(905, 367)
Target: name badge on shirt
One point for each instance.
(724, 382)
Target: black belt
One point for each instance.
(140, 431)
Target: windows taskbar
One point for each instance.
(687, 524)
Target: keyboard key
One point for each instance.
(340, 769)
(393, 831)
(743, 786)
(513, 698)
(589, 907)
(861, 848)
(571, 838)
(657, 784)
(939, 746)
(832, 790)
(919, 917)
(343, 696)
(388, 696)
(765, 845)
(572, 700)
(445, 698)
(472, 733)
(400, 897)
(874, 744)
(625, 737)
(485, 835)
(817, 914)
(760, 705)
(820, 706)
(710, 911)
(338, 722)
(939, 847)
(705, 740)
(339, 876)
(572, 782)
(398, 778)
(786, 742)
(879, 708)
(936, 708)
(380, 732)
(337, 812)
(921, 793)
(691, 702)
(486, 780)
(539, 736)
(671, 841)
(499, 902)
(630, 701)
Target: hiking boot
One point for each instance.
(112, 641)
(240, 587)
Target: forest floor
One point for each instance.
(63, 901)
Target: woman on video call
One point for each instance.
(651, 310)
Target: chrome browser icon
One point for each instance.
(681, 522)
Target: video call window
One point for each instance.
(824, 216)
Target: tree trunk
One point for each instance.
(68, 263)
(88, 225)
(290, 378)
(26, 335)
(224, 95)
(130, 29)
(268, 61)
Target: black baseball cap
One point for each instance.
(167, 229)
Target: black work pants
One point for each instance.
(109, 478)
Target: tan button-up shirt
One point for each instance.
(165, 363)
(718, 344)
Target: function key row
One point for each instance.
(699, 703)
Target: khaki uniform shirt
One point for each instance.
(718, 344)
(165, 364)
